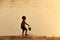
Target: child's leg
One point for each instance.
(26, 32)
(22, 32)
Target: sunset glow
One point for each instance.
(42, 15)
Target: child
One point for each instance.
(23, 26)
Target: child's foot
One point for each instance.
(26, 34)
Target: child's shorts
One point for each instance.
(23, 28)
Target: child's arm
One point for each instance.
(27, 24)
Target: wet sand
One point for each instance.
(28, 38)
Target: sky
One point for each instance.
(42, 15)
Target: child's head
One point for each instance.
(24, 17)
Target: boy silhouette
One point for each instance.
(24, 29)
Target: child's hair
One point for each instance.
(23, 17)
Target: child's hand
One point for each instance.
(28, 25)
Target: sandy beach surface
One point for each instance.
(28, 38)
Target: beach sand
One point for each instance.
(28, 38)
